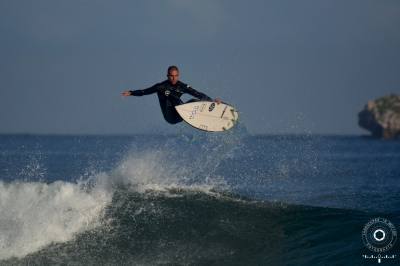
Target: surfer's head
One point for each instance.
(173, 74)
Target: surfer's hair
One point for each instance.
(172, 68)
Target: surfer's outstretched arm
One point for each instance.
(197, 94)
(151, 90)
(200, 95)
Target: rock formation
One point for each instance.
(382, 117)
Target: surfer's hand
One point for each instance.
(126, 93)
(218, 100)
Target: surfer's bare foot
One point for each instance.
(218, 100)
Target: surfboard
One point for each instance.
(208, 116)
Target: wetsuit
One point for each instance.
(169, 97)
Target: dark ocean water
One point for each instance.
(203, 199)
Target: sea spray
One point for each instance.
(36, 214)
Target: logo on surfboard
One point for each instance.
(212, 106)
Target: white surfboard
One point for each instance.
(208, 116)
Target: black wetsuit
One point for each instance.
(169, 97)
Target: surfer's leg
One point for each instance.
(171, 115)
(174, 120)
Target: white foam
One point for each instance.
(35, 214)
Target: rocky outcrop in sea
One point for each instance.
(382, 117)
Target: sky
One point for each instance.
(287, 66)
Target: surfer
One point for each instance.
(169, 93)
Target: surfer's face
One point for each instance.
(173, 76)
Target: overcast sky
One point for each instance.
(288, 66)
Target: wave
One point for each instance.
(192, 226)
(34, 215)
(162, 206)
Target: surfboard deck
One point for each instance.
(208, 116)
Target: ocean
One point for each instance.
(195, 199)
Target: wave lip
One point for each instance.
(35, 214)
